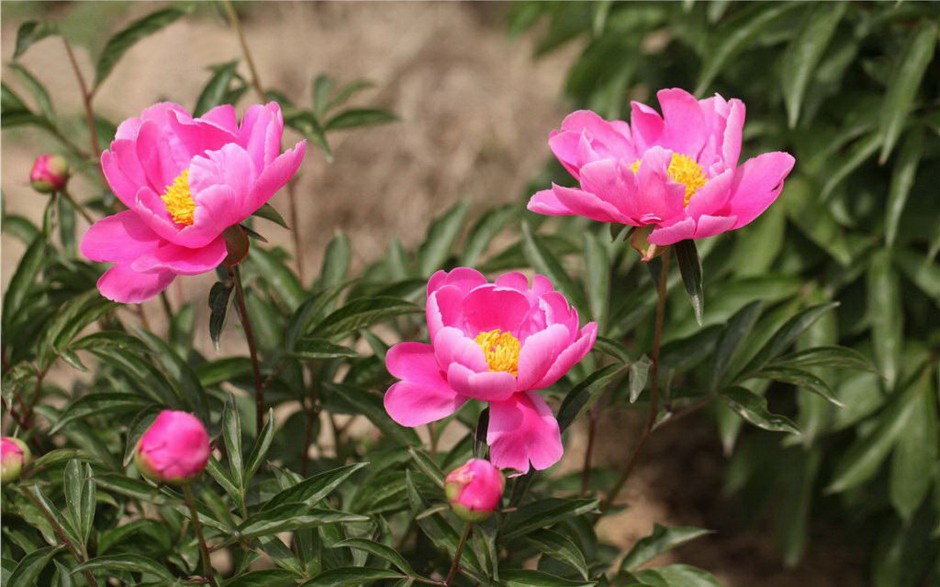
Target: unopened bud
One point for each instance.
(50, 173)
(474, 490)
(14, 455)
(175, 449)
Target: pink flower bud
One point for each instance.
(50, 173)
(14, 455)
(474, 490)
(175, 449)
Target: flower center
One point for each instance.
(179, 201)
(683, 169)
(501, 350)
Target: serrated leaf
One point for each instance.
(358, 117)
(753, 408)
(905, 82)
(661, 540)
(119, 44)
(690, 268)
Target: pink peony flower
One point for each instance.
(175, 449)
(677, 174)
(49, 174)
(494, 342)
(474, 490)
(14, 455)
(185, 180)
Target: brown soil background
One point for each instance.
(475, 111)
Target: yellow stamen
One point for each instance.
(179, 201)
(501, 350)
(682, 169)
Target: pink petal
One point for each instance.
(539, 352)
(414, 404)
(161, 159)
(453, 346)
(521, 430)
(707, 226)
(463, 278)
(415, 362)
(261, 131)
(657, 195)
(686, 129)
(223, 117)
(485, 386)
(123, 171)
(647, 126)
(489, 308)
(678, 231)
(197, 136)
(122, 284)
(589, 205)
(712, 196)
(275, 176)
(570, 356)
(513, 280)
(183, 260)
(757, 184)
(547, 203)
(119, 238)
(734, 128)
(444, 308)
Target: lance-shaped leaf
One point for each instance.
(690, 268)
(119, 44)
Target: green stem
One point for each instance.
(197, 528)
(236, 24)
(455, 566)
(654, 389)
(252, 349)
(86, 101)
(74, 203)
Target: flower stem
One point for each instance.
(86, 100)
(654, 389)
(589, 451)
(252, 349)
(81, 209)
(455, 566)
(236, 24)
(197, 528)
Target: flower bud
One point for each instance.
(14, 455)
(175, 449)
(50, 173)
(474, 490)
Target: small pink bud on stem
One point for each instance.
(50, 173)
(14, 456)
(174, 450)
(474, 490)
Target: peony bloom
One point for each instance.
(49, 174)
(14, 455)
(474, 490)
(175, 449)
(676, 174)
(185, 180)
(494, 342)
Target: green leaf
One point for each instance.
(314, 489)
(98, 404)
(597, 276)
(31, 32)
(801, 379)
(583, 395)
(378, 549)
(128, 37)
(268, 212)
(79, 487)
(868, 452)
(356, 117)
(125, 562)
(23, 277)
(351, 577)
(546, 263)
(803, 54)
(308, 124)
(440, 239)
(215, 90)
(886, 315)
(613, 348)
(260, 449)
(835, 357)
(787, 334)
(861, 150)
(319, 348)
(753, 408)
(335, 262)
(483, 233)
(264, 578)
(902, 180)
(661, 540)
(320, 91)
(290, 517)
(355, 400)
(639, 374)
(362, 313)
(427, 465)
(232, 438)
(736, 330)
(733, 37)
(920, 270)
(562, 548)
(544, 513)
(905, 82)
(690, 268)
(27, 571)
(916, 451)
(38, 91)
(281, 280)
(219, 296)
(807, 211)
(347, 92)
(677, 576)
(529, 578)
